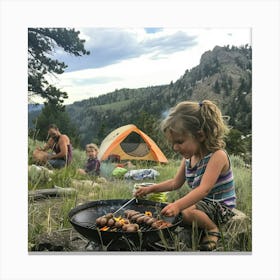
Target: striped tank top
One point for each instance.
(223, 190)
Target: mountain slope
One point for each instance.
(223, 76)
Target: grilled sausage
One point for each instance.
(97, 221)
(124, 227)
(110, 222)
(140, 220)
(136, 226)
(130, 213)
(157, 224)
(135, 217)
(146, 218)
(109, 215)
(118, 224)
(160, 224)
(124, 221)
(151, 221)
(164, 225)
(132, 228)
(103, 221)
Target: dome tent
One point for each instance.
(130, 143)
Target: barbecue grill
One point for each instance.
(83, 219)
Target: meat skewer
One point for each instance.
(131, 222)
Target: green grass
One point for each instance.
(52, 214)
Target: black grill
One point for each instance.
(84, 216)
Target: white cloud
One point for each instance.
(164, 60)
(113, 45)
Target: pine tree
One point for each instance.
(52, 114)
(42, 42)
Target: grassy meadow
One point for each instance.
(51, 215)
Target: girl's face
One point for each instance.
(91, 153)
(186, 145)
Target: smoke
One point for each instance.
(164, 114)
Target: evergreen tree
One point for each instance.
(234, 143)
(42, 42)
(217, 87)
(51, 113)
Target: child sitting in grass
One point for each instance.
(196, 131)
(92, 166)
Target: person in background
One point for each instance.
(61, 147)
(196, 131)
(92, 166)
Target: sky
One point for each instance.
(138, 57)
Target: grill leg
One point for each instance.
(93, 246)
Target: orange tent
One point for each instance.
(130, 143)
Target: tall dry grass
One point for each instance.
(52, 214)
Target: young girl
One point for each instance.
(196, 131)
(92, 166)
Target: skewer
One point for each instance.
(128, 202)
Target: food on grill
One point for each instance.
(160, 224)
(110, 222)
(130, 227)
(103, 221)
(131, 222)
(148, 213)
(140, 220)
(106, 220)
(109, 215)
(150, 221)
(118, 224)
(135, 217)
(124, 227)
(121, 220)
(130, 213)
(146, 219)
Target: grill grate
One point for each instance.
(142, 228)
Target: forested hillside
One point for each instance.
(223, 75)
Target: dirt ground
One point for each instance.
(63, 240)
(69, 240)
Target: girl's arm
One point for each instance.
(218, 164)
(168, 185)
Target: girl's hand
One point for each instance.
(142, 191)
(170, 210)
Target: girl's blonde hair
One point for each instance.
(195, 117)
(92, 146)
